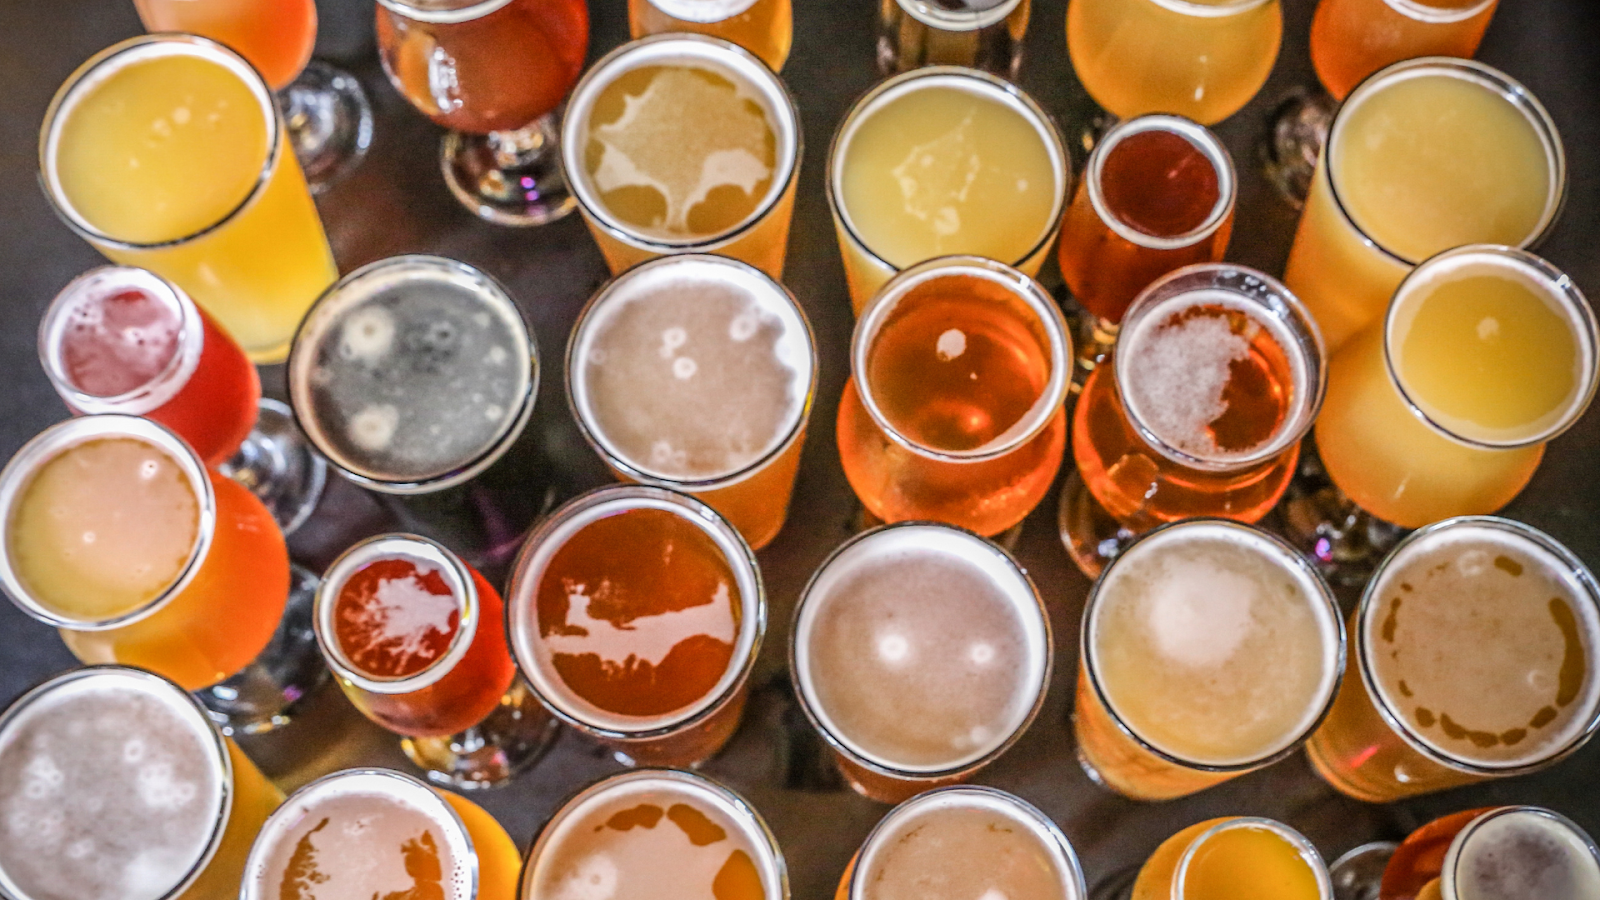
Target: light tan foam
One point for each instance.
(1526, 856)
(947, 851)
(1178, 375)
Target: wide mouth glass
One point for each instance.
(1271, 551)
(534, 657)
(1202, 140)
(749, 75)
(62, 437)
(1271, 308)
(1005, 292)
(796, 349)
(105, 65)
(97, 286)
(934, 15)
(960, 548)
(426, 555)
(1574, 843)
(1305, 848)
(1532, 272)
(444, 12)
(1558, 562)
(1439, 15)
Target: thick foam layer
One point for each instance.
(1524, 854)
(112, 786)
(119, 339)
(359, 835)
(691, 368)
(921, 648)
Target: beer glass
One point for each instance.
(764, 27)
(493, 72)
(978, 34)
(219, 206)
(684, 144)
(953, 412)
(1231, 857)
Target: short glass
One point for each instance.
(1344, 275)
(954, 411)
(697, 373)
(655, 664)
(764, 27)
(704, 160)
(1373, 745)
(1218, 372)
(951, 835)
(256, 260)
(978, 34)
(1231, 855)
(97, 793)
(450, 687)
(493, 72)
(1201, 60)
(920, 653)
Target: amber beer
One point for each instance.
(1512, 852)
(764, 27)
(1474, 659)
(978, 34)
(1216, 375)
(636, 613)
(953, 413)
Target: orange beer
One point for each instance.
(1351, 39)
(1234, 858)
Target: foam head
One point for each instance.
(1522, 853)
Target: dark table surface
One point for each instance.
(396, 203)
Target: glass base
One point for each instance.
(509, 177)
(1118, 886)
(329, 121)
(278, 465)
(1093, 538)
(1344, 541)
(1298, 129)
(266, 693)
(489, 754)
(1357, 875)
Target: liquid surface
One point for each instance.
(1211, 649)
(964, 854)
(1159, 183)
(162, 148)
(942, 170)
(1245, 863)
(639, 613)
(115, 342)
(103, 528)
(107, 792)
(681, 151)
(1526, 856)
(1482, 649)
(1435, 162)
(395, 617)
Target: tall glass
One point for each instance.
(1233, 858)
(953, 412)
(1217, 373)
(684, 144)
(697, 373)
(978, 34)
(1210, 649)
(940, 161)
(1473, 659)
(328, 117)
(1203, 59)
(417, 640)
(221, 211)
(636, 614)
(764, 27)
(493, 72)
(124, 340)
(125, 762)
(1402, 179)
(921, 653)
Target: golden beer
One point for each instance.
(1235, 858)
(764, 27)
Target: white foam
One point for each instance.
(1178, 379)
(1525, 856)
(1198, 616)
(702, 11)
(367, 335)
(403, 612)
(645, 638)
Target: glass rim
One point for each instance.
(1032, 295)
(578, 394)
(665, 49)
(960, 20)
(49, 445)
(1198, 136)
(724, 11)
(1450, 874)
(1210, 10)
(182, 702)
(443, 14)
(550, 535)
(1438, 15)
(105, 281)
(1017, 809)
(1588, 590)
(297, 374)
(1307, 850)
(808, 705)
(251, 887)
(1586, 331)
(1304, 572)
(458, 576)
(1486, 76)
(92, 72)
(973, 81)
(1305, 349)
(730, 802)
